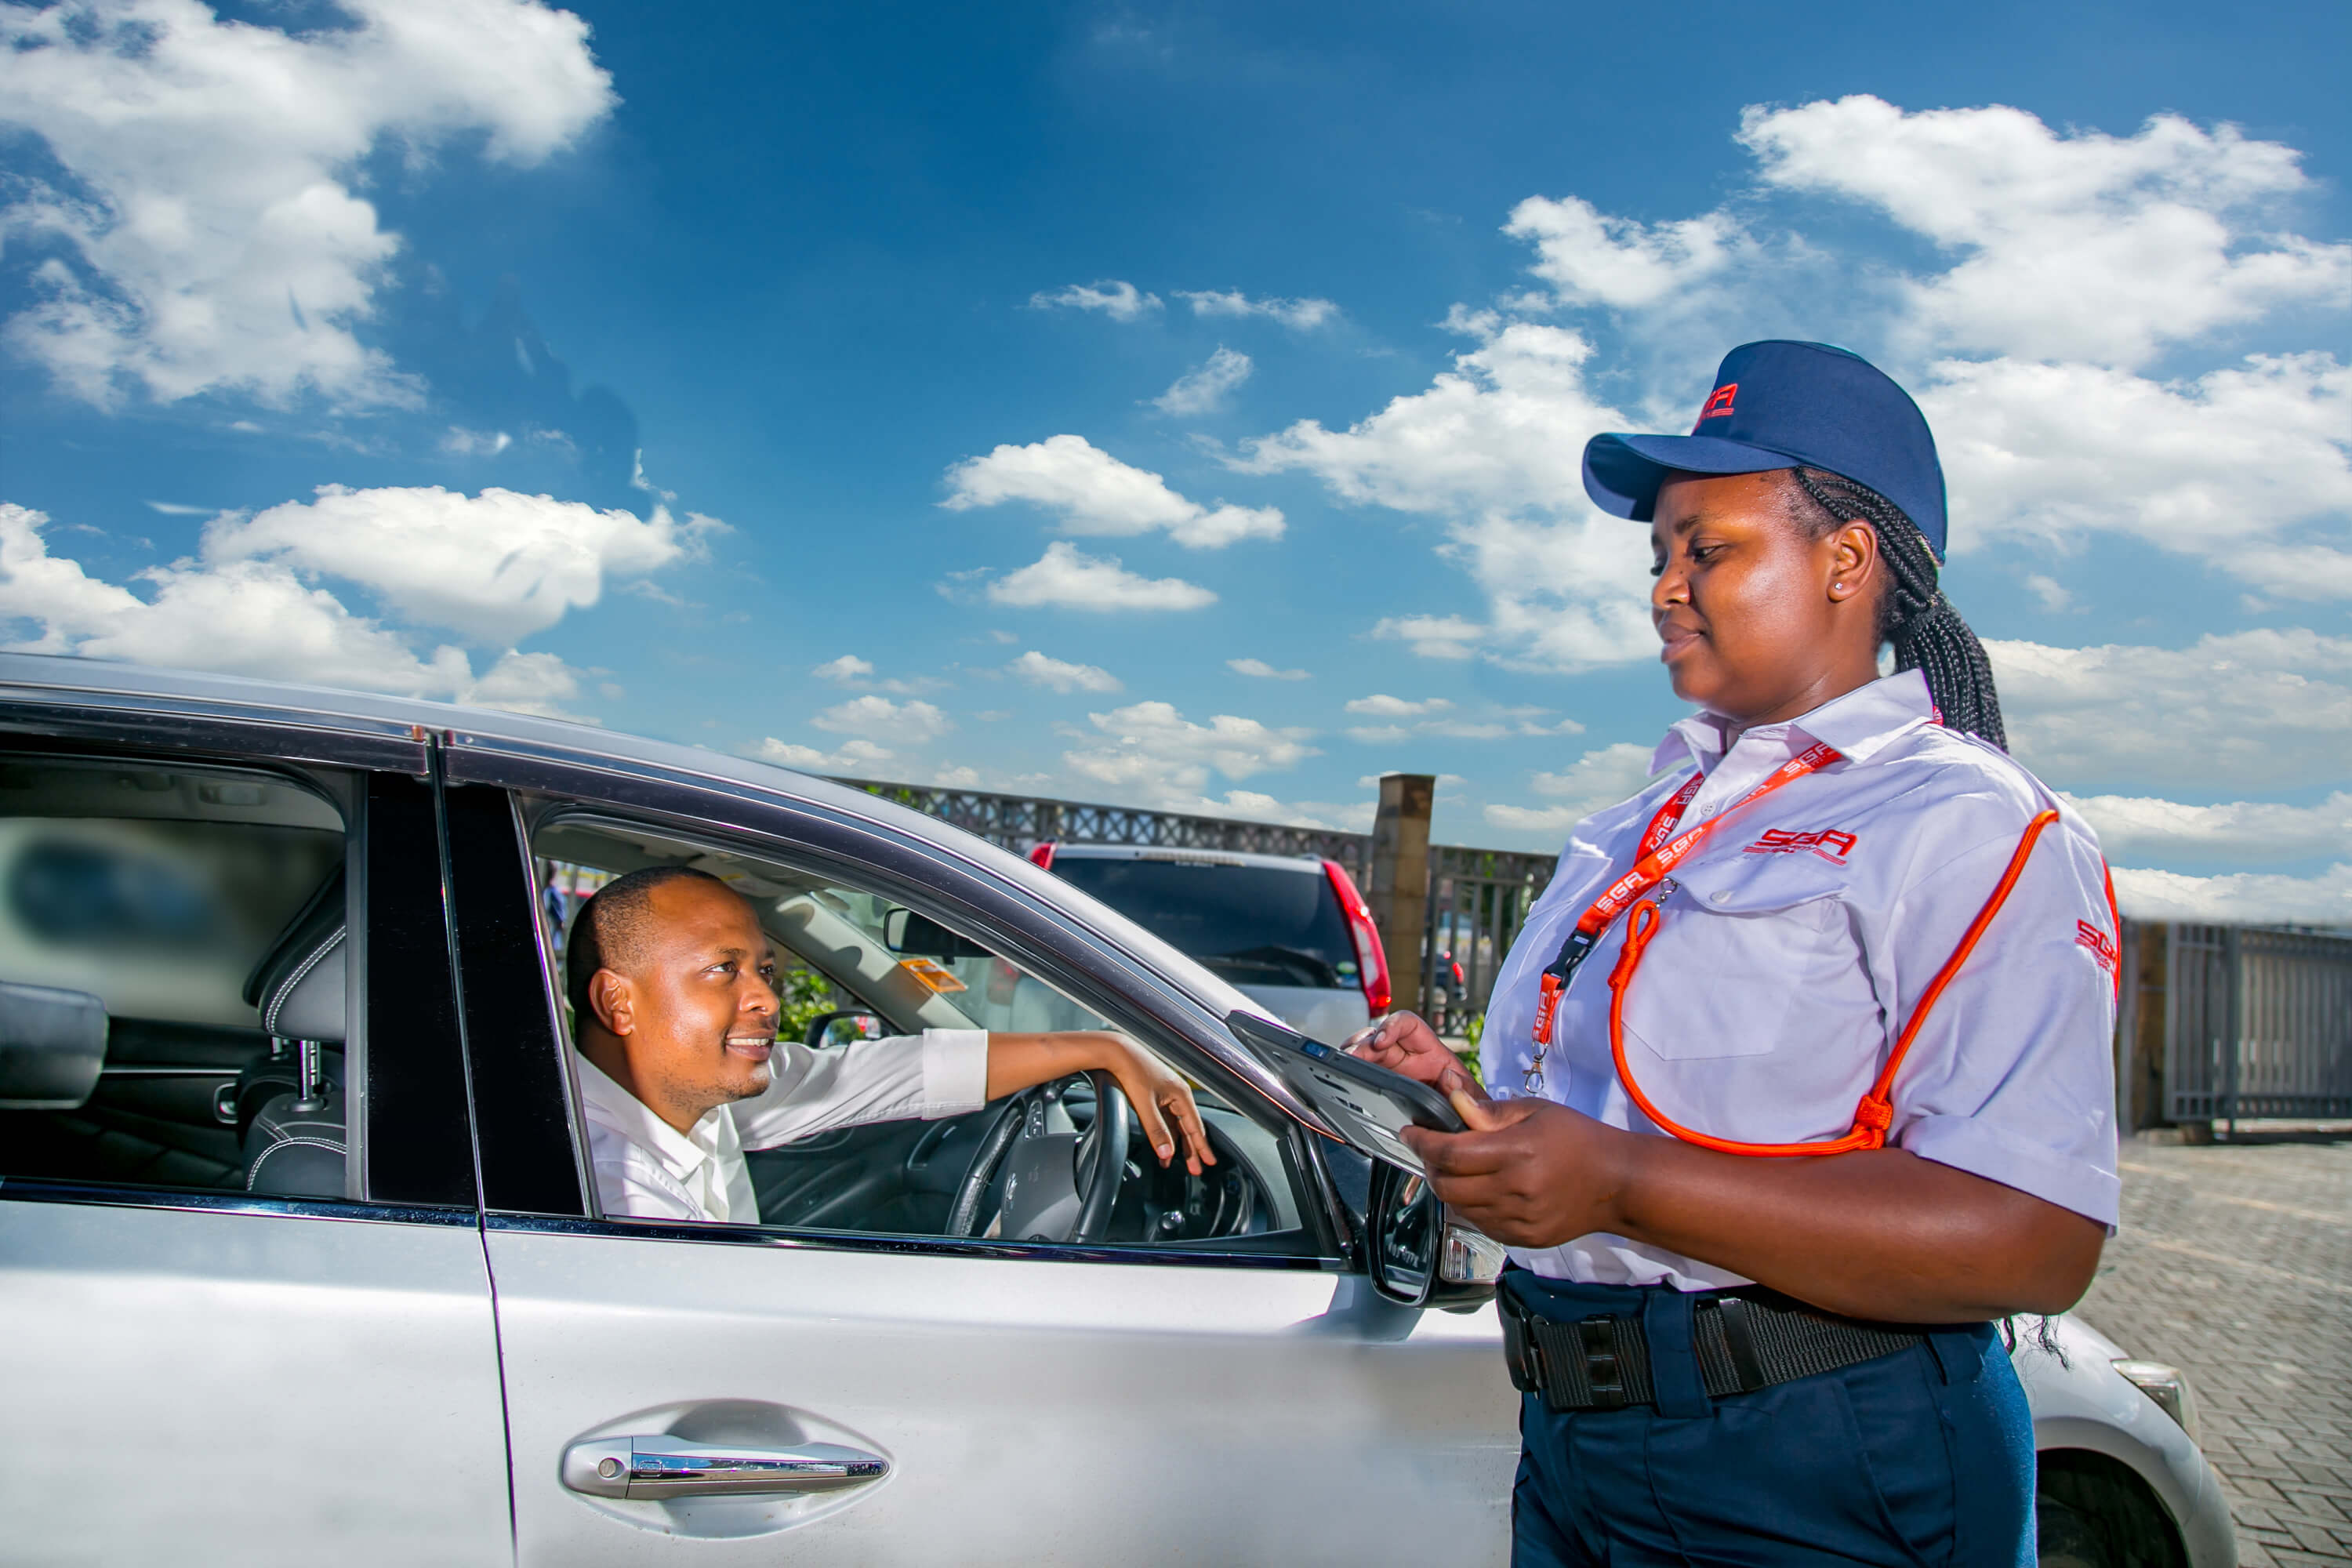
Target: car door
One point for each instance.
(979, 1400)
(215, 1357)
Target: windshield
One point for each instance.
(1253, 925)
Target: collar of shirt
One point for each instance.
(703, 1160)
(1860, 724)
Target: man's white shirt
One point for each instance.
(647, 1169)
(1794, 945)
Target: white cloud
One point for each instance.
(1496, 447)
(1380, 705)
(244, 616)
(877, 718)
(211, 238)
(1593, 260)
(2249, 469)
(1114, 298)
(2085, 246)
(2052, 593)
(1203, 389)
(856, 756)
(1432, 636)
(1152, 755)
(1257, 669)
(1601, 777)
(1095, 493)
(2248, 898)
(1064, 578)
(1060, 675)
(2271, 707)
(463, 443)
(496, 566)
(2138, 827)
(529, 683)
(1299, 314)
(848, 668)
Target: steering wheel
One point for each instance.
(1053, 1182)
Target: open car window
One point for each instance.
(857, 970)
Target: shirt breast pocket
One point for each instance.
(1748, 966)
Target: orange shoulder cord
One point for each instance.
(1875, 1114)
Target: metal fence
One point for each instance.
(2256, 1024)
(1478, 898)
(1017, 821)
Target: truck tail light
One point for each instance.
(1041, 855)
(1371, 958)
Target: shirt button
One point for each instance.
(1720, 896)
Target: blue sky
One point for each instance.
(1180, 405)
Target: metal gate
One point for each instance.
(2257, 1023)
(1478, 899)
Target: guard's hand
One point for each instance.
(1530, 1173)
(1160, 1097)
(1404, 1043)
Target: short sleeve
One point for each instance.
(935, 1074)
(2011, 1076)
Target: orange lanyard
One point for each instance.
(1659, 853)
(1875, 1113)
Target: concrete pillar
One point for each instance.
(1399, 893)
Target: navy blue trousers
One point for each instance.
(1922, 1457)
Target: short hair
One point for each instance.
(612, 926)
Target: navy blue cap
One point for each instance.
(1779, 404)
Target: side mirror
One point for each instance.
(1420, 1255)
(52, 1047)
(919, 936)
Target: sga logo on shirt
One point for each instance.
(2103, 946)
(1831, 844)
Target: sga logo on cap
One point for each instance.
(1718, 405)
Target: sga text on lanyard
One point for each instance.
(1659, 853)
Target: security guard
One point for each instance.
(1801, 1063)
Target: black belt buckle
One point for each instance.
(1604, 1372)
(1520, 1352)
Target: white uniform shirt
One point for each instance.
(1795, 943)
(647, 1169)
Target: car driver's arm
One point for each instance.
(1017, 1062)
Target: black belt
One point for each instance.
(1745, 1340)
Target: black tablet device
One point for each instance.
(1366, 1103)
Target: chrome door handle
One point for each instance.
(661, 1465)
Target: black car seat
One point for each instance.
(289, 1102)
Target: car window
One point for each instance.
(188, 922)
(1253, 925)
(856, 967)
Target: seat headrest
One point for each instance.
(52, 1047)
(300, 984)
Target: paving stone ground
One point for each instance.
(2234, 1263)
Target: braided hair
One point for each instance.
(1913, 613)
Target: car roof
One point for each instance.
(1305, 863)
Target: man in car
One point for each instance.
(674, 1007)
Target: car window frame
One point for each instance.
(847, 852)
(344, 770)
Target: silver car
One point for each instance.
(301, 1258)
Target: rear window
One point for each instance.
(1253, 925)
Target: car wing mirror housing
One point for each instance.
(52, 1047)
(1419, 1252)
